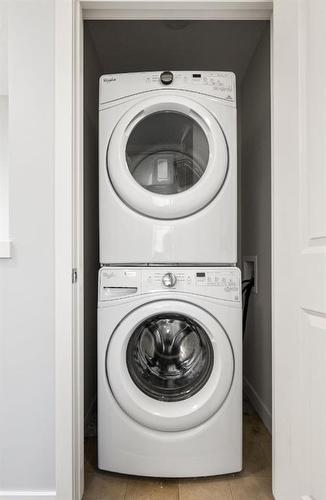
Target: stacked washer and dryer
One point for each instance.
(169, 309)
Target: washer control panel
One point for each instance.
(220, 84)
(221, 283)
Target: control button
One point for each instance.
(169, 280)
(166, 77)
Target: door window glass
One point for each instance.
(167, 152)
(169, 357)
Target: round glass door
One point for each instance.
(167, 152)
(170, 357)
(167, 158)
(169, 365)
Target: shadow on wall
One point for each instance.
(256, 224)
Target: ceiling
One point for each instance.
(126, 46)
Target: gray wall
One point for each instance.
(256, 224)
(122, 46)
(92, 71)
(126, 46)
(27, 445)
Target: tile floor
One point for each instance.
(253, 483)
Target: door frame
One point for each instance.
(68, 178)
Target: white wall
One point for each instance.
(4, 167)
(256, 224)
(27, 446)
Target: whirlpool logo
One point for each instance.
(109, 80)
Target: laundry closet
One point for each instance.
(243, 48)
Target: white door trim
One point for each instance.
(63, 169)
(174, 9)
(68, 199)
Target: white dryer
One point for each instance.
(168, 168)
(170, 371)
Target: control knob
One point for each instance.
(166, 77)
(169, 280)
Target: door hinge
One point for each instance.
(74, 275)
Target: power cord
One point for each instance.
(246, 291)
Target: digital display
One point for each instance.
(196, 75)
(200, 275)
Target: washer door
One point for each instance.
(170, 365)
(167, 157)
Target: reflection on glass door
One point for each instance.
(167, 152)
(170, 357)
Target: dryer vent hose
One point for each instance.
(247, 286)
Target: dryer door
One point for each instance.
(167, 157)
(170, 365)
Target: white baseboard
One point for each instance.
(260, 407)
(28, 495)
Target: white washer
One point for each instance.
(168, 168)
(170, 371)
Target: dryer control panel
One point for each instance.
(219, 84)
(218, 283)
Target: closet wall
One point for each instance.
(92, 70)
(127, 46)
(256, 224)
